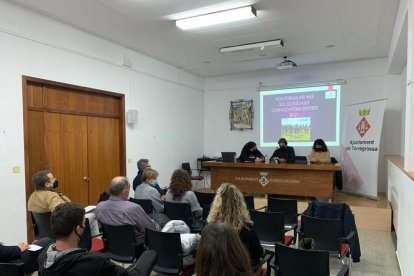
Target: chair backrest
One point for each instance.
(287, 206)
(85, 240)
(12, 269)
(41, 225)
(146, 204)
(205, 199)
(179, 211)
(249, 202)
(269, 226)
(119, 242)
(325, 232)
(186, 167)
(168, 248)
(298, 262)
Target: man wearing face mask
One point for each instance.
(284, 153)
(65, 257)
(44, 199)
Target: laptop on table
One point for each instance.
(228, 156)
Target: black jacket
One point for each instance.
(247, 155)
(9, 253)
(82, 263)
(288, 154)
(337, 211)
(137, 180)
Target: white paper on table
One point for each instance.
(90, 208)
(34, 247)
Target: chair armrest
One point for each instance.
(262, 208)
(97, 235)
(344, 270)
(349, 238)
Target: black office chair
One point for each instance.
(204, 198)
(12, 269)
(169, 250)
(249, 202)
(289, 207)
(186, 167)
(41, 225)
(327, 234)
(181, 211)
(146, 204)
(119, 241)
(270, 229)
(290, 261)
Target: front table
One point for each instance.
(315, 180)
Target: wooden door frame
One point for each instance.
(79, 89)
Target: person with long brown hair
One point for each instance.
(229, 207)
(221, 252)
(180, 191)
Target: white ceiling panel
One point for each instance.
(358, 29)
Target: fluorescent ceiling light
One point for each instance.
(253, 46)
(216, 18)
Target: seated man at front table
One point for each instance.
(44, 199)
(284, 153)
(250, 153)
(65, 257)
(117, 210)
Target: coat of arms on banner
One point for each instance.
(363, 127)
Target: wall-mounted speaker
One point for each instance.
(132, 116)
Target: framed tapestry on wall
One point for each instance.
(241, 114)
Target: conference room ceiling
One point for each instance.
(357, 29)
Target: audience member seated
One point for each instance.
(250, 153)
(117, 210)
(320, 152)
(147, 191)
(141, 164)
(284, 153)
(221, 252)
(229, 207)
(20, 253)
(44, 199)
(65, 257)
(180, 191)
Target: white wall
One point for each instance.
(169, 101)
(365, 81)
(405, 238)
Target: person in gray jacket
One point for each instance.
(147, 191)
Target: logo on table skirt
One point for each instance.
(363, 127)
(263, 180)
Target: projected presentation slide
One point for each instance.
(301, 115)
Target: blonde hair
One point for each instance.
(229, 206)
(149, 174)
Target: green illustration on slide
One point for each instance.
(296, 129)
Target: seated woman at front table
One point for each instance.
(229, 207)
(250, 153)
(320, 152)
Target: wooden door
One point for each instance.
(67, 154)
(75, 132)
(103, 157)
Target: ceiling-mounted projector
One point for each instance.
(286, 64)
(257, 46)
